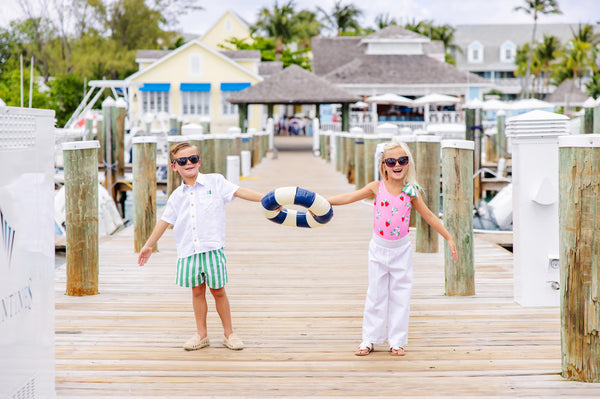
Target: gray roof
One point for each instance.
(293, 85)
(400, 69)
(434, 47)
(492, 36)
(151, 54)
(241, 54)
(567, 93)
(331, 52)
(268, 68)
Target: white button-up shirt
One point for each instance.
(197, 214)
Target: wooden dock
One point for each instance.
(297, 299)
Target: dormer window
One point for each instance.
(475, 53)
(508, 50)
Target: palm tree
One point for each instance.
(279, 23)
(547, 52)
(342, 18)
(384, 20)
(593, 87)
(535, 8)
(579, 59)
(308, 27)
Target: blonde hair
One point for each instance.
(411, 175)
(181, 146)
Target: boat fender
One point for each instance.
(273, 204)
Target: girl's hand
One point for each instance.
(452, 249)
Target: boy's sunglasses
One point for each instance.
(391, 162)
(184, 160)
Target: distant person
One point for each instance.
(390, 251)
(196, 209)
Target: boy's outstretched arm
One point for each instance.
(146, 250)
(347, 198)
(248, 195)
(434, 222)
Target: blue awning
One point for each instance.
(194, 87)
(156, 87)
(234, 86)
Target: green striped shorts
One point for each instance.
(209, 267)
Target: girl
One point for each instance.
(390, 252)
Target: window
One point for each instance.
(155, 97)
(195, 65)
(228, 25)
(475, 53)
(508, 50)
(229, 110)
(195, 99)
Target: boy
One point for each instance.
(196, 209)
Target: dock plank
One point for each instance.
(297, 298)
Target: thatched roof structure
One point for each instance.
(567, 94)
(293, 85)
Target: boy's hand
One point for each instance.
(144, 255)
(453, 249)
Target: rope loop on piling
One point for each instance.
(274, 207)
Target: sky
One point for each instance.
(453, 12)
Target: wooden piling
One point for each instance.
(110, 172)
(457, 189)
(81, 216)
(411, 142)
(579, 234)
(349, 158)
(587, 126)
(144, 189)
(100, 138)
(173, 178)
(428, 176)
(118, 114)
(88, 128)
(359, 161)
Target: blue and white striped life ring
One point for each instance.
(297, 196)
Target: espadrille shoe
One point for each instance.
(233, 342)
(196, 343)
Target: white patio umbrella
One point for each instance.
(389, 98)
(360, 104)
(494, 105)
(435, 98)
(531, 103)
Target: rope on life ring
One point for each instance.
(276, 199)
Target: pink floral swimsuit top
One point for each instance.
(392, 212)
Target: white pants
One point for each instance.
(388, 295)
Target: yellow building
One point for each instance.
(230, 25)
(194, 81)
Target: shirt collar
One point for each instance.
(200, 181)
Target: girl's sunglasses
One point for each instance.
(391, 162)
(184, 160)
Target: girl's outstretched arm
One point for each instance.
(347, 198)
(434, 222)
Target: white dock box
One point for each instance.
(26, 253)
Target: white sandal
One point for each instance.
(364, 346)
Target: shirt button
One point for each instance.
(192, 205)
